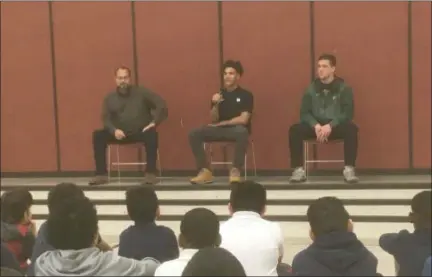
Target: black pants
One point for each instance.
(101, 139)
(300, 132)
(237, 134)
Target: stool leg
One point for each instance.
(143, 164)
(159, 164)
(118, 166)
(211, 157)
(253, 158)
(306, 157)
(109, 163)
(245, 166)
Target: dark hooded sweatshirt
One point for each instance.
(19, 239)
(335, 254)
(8, 259)
(410, 250)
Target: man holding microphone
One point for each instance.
(231, 110)
(130, 115)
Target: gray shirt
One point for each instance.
(91, 262)
(132, 111)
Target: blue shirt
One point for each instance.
(148, 240)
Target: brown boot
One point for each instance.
(205, 176)
(151, 179)
(99, 180)
(235, 176)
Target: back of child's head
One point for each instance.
(73, 226)
(248, 196)
(199, 228)
(15, 204)
(142, 204)
(421, 210)
(327, 215)
(62, 193)
(214, 261)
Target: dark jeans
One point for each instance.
(300, 132)
(237, 134)
(101, 139)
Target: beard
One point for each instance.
(123, 88)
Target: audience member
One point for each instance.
(145, 238)
(17, 229)
(199, 229)
(411, 250)
(254, 241)
(57, 196)
(214, 262)
(72, 229)
(8, 260)
(427, 268)
(335, 250)
(10, 272)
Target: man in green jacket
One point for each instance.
(326, 113)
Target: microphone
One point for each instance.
(221, 92)
(213, 103)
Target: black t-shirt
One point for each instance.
(235, 102)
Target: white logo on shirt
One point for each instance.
(238, 99)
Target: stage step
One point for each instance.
(176, 210)
(379, 194)
(377, 205)
(286, 205)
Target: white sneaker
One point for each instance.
(349, 175)
(298, 175)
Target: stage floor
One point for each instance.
(265, 180)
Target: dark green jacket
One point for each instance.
(334, 107)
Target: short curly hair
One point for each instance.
(14, 205)
(61, 193)
(200, 228)
(73, 226)
(142, 204)
(233, 64)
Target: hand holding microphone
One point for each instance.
(217, 98)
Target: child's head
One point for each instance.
(142, 204)
(73, 226)
(326, 215)
(16, 206)
(61, 193)
(248, 196)
(420, 214)
(199, 228)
